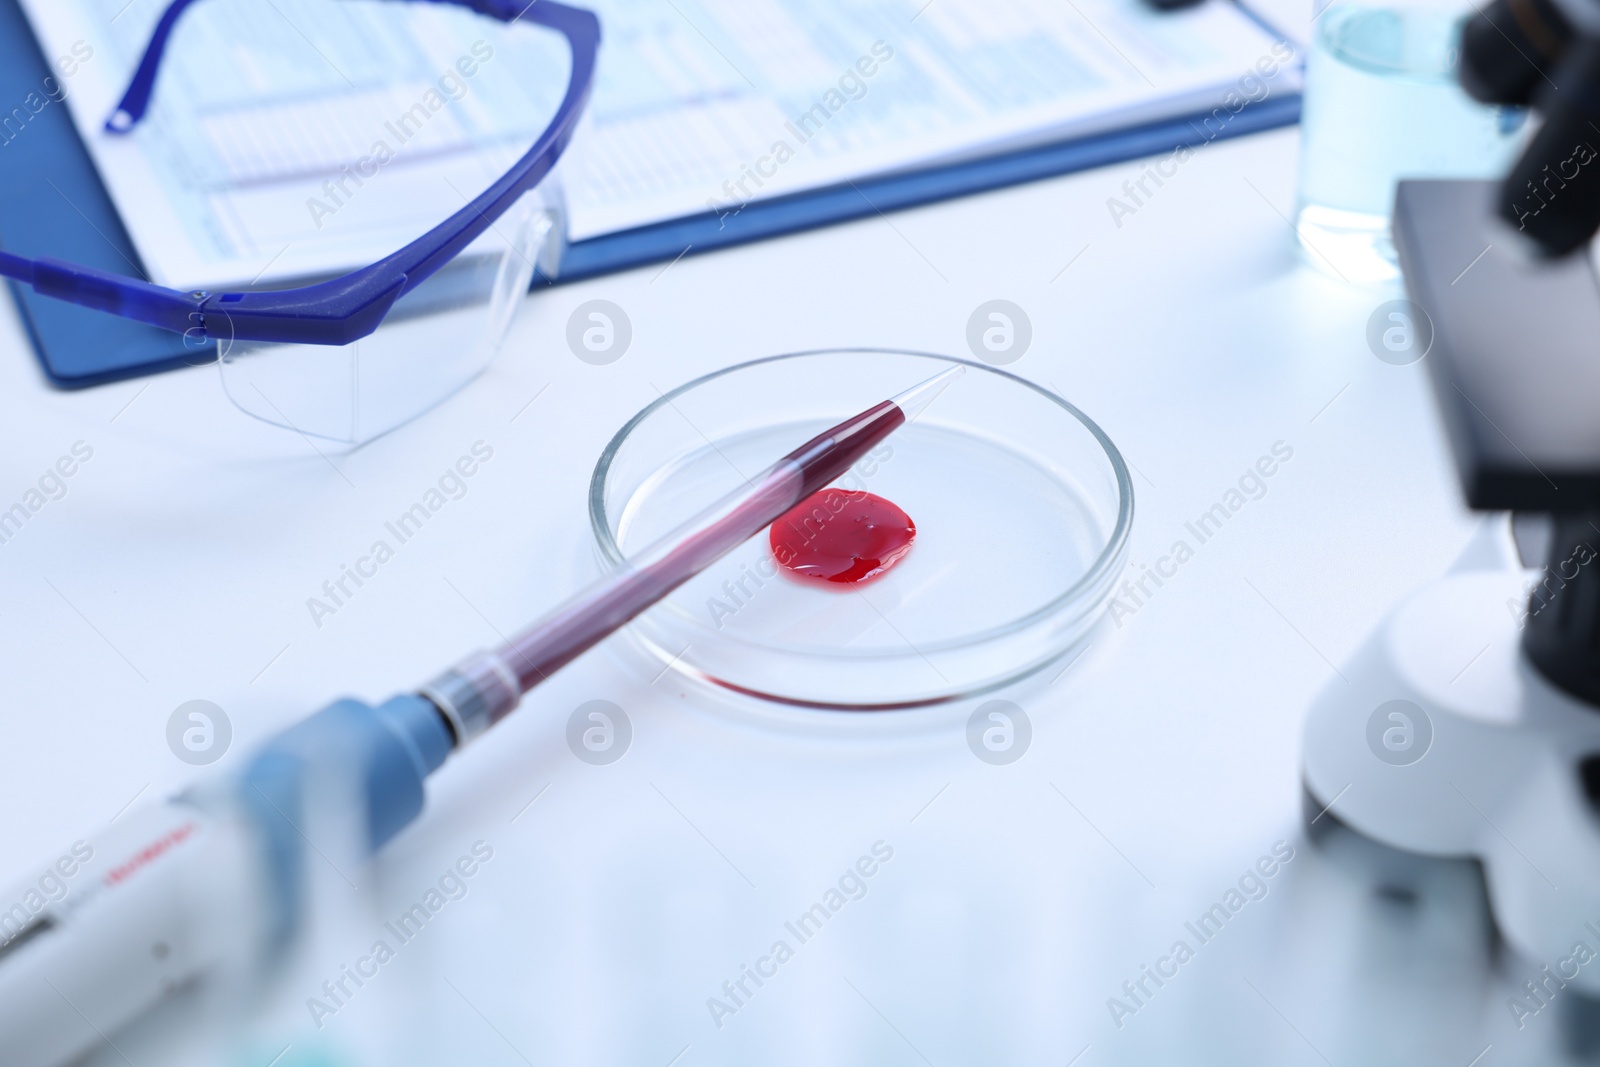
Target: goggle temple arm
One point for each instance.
(335, 312)
(102, 290)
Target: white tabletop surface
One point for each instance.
(1019, 898)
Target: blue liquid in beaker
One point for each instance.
(1382, 103)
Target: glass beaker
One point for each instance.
(1382, 103)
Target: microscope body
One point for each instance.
(1467, 725)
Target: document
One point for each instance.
(299, 138)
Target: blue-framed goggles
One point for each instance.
(353, 356)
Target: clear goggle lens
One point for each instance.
(435, 339)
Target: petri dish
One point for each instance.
(1022, 505)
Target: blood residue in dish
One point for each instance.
(841, 536)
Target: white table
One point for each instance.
(1019, 898)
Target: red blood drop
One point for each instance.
(836, 535)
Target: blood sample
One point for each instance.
(841, 536)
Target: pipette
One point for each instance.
(136, 911)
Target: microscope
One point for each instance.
(1467, 726)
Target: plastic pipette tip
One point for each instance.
(915, 400)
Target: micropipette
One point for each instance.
(137, 911)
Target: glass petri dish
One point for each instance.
(1022, 506)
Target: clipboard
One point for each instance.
(52, 203)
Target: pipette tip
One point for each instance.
(915, 400)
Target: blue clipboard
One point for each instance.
(52, 203)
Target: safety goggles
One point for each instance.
(352, 357)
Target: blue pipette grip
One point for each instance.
(385, 751)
